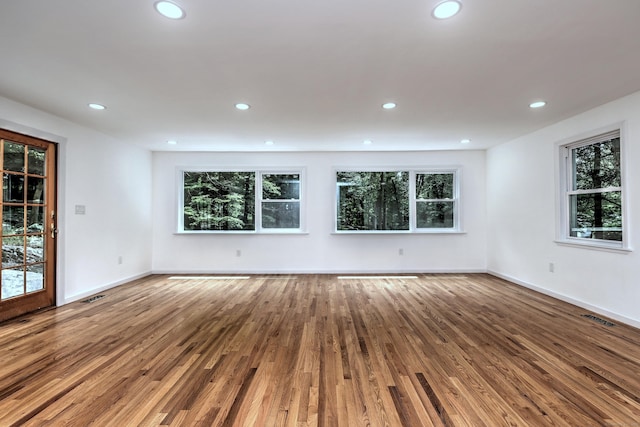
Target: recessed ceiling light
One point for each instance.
(389, 105)
(243, 106)
(537, 104)
(169, 9)
(367, 142)
(465, 141)
(268, 142)
(97, 106)
(172, 142)
(446, 9)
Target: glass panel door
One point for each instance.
(28, 224)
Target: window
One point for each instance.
(435, 200)
(221, 201)
(397, 201)
(592, 191)
(281, 201)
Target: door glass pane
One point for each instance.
(13, 188)
(35, 219)
(12, 282)
(12, 251)
(35, 190)
(35, 277)
(12, 220)
(35, 248)
(36, 159)
(13, 156)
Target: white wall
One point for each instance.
(319, 251)
(112, 180)
(521, 189)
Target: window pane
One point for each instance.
(596, 216)
(434, 186)
(12, 283)
(434, 214)
(597, 165)
(13, 188)
(280, 187)
(219, 200)
(12, 251)
(13, 156)
(35, 219)
(35, 190)
(280, 214)
(35, 277)
(36, 161)
(373, 200)
(12, 220)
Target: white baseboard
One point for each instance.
(570, 300)
(94, 291)
(385, 271)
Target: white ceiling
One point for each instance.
(317, 71)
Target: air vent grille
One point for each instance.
(598, 319)
(94, 298)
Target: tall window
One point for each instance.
(593, 190)
(435, 200)
(400, 201)
(280, 201)
(219, 201)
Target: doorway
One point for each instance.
(29, 224)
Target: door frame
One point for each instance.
(48, 298)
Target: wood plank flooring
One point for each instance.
(316, 350)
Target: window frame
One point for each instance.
(258, 173)
(456, 171)
(565, 172)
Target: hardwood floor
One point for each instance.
(441, 350)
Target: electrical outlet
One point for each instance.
(120, 259)
(238, 252)
(552, 267)
(400, 251)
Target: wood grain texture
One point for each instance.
(315, 350)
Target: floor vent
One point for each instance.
(599, 320)
(95, 298)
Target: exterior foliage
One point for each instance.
(373, 200)
(596, 199)
(219, 200)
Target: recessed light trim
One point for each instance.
(537, 104)
(389, 105)
(242, 106)
(367, 142)
(465, 141)
(268, 142)
(169, 9)
(446, 9)
(95, 106)
(172, 142)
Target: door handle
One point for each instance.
(54, 230)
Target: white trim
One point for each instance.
(77, 297)
(599, 310)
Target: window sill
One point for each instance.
(398, 232)
(242, 233)
(594, 246)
